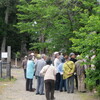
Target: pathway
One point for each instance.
(17, 91)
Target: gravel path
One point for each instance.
(17, 91)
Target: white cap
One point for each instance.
(56, 53)
(32, 54)
(25, 56)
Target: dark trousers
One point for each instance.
(57, 83)
(76, 80)
(25, 73)
(49, 89)
(29, 84)
(70, 84)
(62, 83)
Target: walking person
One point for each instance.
(69, 68)
(29, 74)
(24, 65)
(40, 79)
(62, 81)
(80, 70)
(49, 72)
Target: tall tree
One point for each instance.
(7, 7)
(54, 23)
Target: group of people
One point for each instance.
(55, 73)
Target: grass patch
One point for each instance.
(89, 96)
(7, 79)
(4, 82)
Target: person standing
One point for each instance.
(49, 72)
(29, 74)
(73, 58)
(68, 74)
(24, 65)
(80, 70)
(56, 64)
(62, 81)
(40, 79)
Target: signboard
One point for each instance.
(4, 55)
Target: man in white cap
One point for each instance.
(32, 54)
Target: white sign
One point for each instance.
(4, 55)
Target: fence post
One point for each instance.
(0, 69)
(9, 62)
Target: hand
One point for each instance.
(69, 73)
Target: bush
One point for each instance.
(90, 79)
(98, 90)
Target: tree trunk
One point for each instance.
(23, 48)
(42, 40)
(3, 45)
(6, 15)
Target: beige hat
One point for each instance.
(39, 56)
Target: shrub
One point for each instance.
(98, 90)
(91, 79)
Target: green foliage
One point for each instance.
(18, 55)
(98, 90)
(87, 40)
(54, 23)
(8, 30)
(92, 77)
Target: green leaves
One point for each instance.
(51, 21)
(87, 40)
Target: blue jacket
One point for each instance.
(30, 69)
(60, 68)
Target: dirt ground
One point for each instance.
(16, 90)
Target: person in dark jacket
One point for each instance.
(24, 65)
(72, 57)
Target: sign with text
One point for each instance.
(4, 55)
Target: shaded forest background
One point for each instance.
(45, 26)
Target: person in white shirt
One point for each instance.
(56, 64)
(49, 72)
